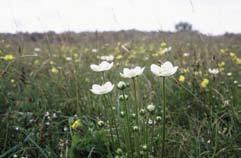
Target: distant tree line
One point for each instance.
(183, 26)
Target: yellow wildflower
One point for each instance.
(8, 57)
(221, 64)
(204, 83)
(119, 57)
(76, 55)
(54, 70)
(77, 124)
(163, 44)
(185, 70)
(222, 51)
(231, 54)
(238, 61)
(181, 78)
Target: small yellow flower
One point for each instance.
(222, 51)
(231, 54)
(8, 57)
(77, 124)
(238, 61)
(221, 64)
(181, 78)
(185, 70)
(155, 54)
(76, 55)
(204, 83)
(163, 44)
(119, 57)
(221, 69)
(54, 70)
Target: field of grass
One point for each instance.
(47, 108)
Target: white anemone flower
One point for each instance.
(102, 89)
(103, 66)
(107, 58)
(131, 73)
(166, 69)
(213, 71)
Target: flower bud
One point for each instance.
(142, 112)
(100, 123)
(158, 119)
(121, 85)
(135, 128)
(123, 97)
(122, 113)
(119, 151)
(144, 147)
(133, 115)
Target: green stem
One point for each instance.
(106, 112)
(163, 117)
(103, 77)
(153, 130)
(216, 140)
(136, 133)
(135, 95)
(114, 122)
(128, 124)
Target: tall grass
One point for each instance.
(42, 96)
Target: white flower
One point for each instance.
(103, 66)
(166, 69)
(94, 50)
(168, 49)
(186, 54)
(37, 49)
(229, 74)
(102, 89)
(213, 71)
(131, 73)
(107, 58)
(68, 58)
(151, 108)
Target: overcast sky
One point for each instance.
(207, 16)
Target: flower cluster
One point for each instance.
(165, 70)
(103, 66)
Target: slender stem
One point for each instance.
(103, 76)
(216, 141)
(136, 133)
(163, 117)
(114, 121)
(106, 112)
(153, 129)
(77, 95)
(135, 95)
(128, 123)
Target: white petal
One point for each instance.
(155, 69)
(95, 67)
